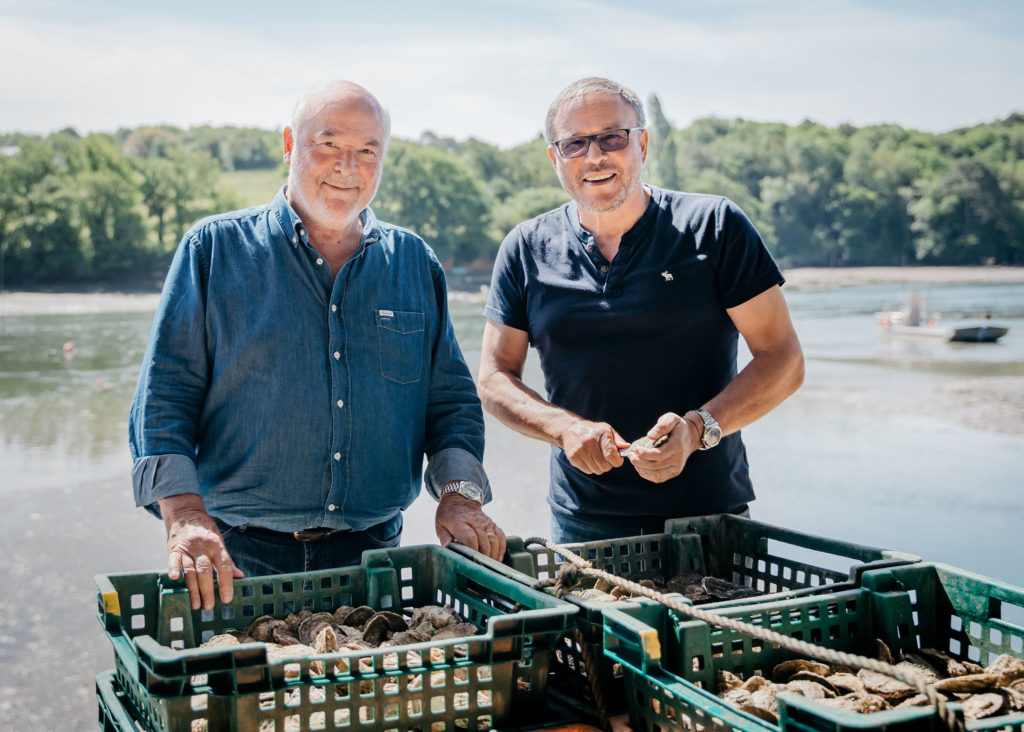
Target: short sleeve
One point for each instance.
(745, 266)
(506, 301)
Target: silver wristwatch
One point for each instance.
(464, 488)
(712, 430)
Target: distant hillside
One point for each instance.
(114, 205)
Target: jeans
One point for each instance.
(571, 530)
(258, 551)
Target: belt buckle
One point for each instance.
(311, 533)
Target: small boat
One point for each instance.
(978, 334)
(911, 322)
(965, 334)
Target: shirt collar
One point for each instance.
(292, 227)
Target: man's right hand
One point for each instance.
(592, 447)
(195, 546)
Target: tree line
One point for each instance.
(114, 205)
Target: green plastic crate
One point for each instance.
(112, 705)
(773, 560)
(494, 677)
(117, 713)
(670, 661)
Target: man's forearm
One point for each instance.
(524, 410)
(762, 385)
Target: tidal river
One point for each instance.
(913, 445)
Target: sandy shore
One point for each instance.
(826, 278)
(14, 303)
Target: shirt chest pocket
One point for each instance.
(400, 342)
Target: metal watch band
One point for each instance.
(464, 488)
(712, 433)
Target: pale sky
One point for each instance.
(489, 68)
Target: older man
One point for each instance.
(634, 297)
(301, 364)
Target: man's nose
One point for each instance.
(345, 161)
(594, 152)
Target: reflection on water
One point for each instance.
(66, 413)
(872, 449)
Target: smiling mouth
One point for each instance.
(598, 177)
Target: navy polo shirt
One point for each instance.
(626, 341)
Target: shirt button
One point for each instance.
(331, 507)
(294, 240)
(319, 260)
(334, 308)
(337, 456)
(590, 247)
(337, 355)
(604, 267)
(341, 403)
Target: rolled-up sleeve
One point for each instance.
(454, 463)
(159, 476)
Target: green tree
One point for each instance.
(524, 205)
(662, 166)
(435, 195)
(964, 217)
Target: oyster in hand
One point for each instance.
(644, 441)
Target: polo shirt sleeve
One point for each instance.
(506, 301)
(745, 267)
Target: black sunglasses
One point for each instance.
(610, 141)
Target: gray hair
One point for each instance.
(591, 85)
(340, 88)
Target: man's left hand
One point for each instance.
(658, 464)
(463, 520)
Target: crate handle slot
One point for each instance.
(631, 642)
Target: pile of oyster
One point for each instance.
(304, 634)
(697, 588)
(983, 692)
(348, 628)
(360, 628)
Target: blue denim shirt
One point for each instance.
(289, 398)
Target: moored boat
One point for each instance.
(912, 322)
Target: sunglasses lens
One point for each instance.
(614, 140)
(572, 147)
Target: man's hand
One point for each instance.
(592, 447)
(463, 520)
(658, 464)
(195, 546)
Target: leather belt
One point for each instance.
(308, 534)
(314, 533)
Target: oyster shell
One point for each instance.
(785, 670)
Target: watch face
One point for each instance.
(712, 435)
(471, 490)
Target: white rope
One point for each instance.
(947, 715)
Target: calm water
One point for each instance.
(884, 445)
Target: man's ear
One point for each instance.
(643, 145)
(551, 154)
(289, 143)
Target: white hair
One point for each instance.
(338, 88)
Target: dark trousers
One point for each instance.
(258, 551)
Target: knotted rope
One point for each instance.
(575, 566)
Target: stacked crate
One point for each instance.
(772, 560)
(165, 682)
